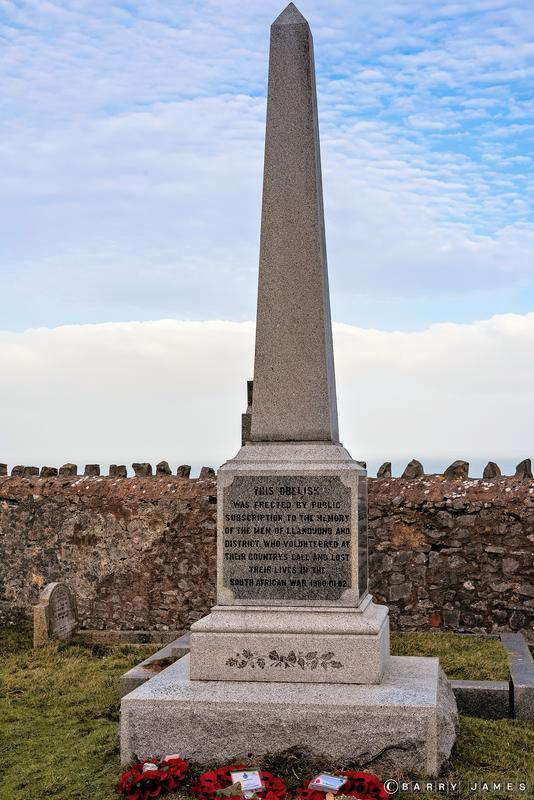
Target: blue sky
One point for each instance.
(132, 143)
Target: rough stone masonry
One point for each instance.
(140, 553)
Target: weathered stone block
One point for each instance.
(92, 470)
(413, 470)
(142, 470)
(118, 471)
(491, 470)
(385, 470)
(48, 472)
(457, 470)
(207, 472)
(163, 468)
(184, 471)
(523, 471)
(68, 470)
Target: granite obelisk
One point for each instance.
(295, 653)
(292, 505)
(294, 384)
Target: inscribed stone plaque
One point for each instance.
(287, 538)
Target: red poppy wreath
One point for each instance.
(363, 785)
(142, 782)
(211, 782)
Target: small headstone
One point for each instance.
(48, 472)
(30, 472)
(491, 470)
(523, 471)
(163, 468)
(18, 471)
(68, 470)
(458, 470)
(118, 471)
(385, 470)
(55, 615)
(413, 470)
(3, 470)
(92, 470)
(184, 471)
(143, 470)
(207, 472)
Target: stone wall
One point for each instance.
(140, 552)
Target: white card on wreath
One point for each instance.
(327, 783)
(250, 781)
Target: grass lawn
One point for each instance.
(470, 658)
(59, 716)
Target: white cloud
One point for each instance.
(175, 390)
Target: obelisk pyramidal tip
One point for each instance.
(290, 16)
(294, 385)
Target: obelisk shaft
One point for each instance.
(294, 383)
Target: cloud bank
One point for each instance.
(175, 390)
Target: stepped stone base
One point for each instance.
(406, 724)
(303, 645)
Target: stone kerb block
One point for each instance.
(163, 468)
(207, 472)
(458, 470)
(92, 470)
(491, 470)
(183, 471)
(55, 616)
(413, 470)
(142, 470)
(68, 470)
(521, 673)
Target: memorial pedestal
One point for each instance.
(404, 725)
(312, 645)
(292, 572)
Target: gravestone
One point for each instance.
(295, 653)
(55, 615)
